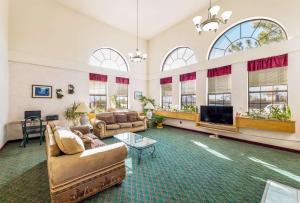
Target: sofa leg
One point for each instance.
(119, 184)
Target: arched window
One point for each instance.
(179, 57)
(108, 58)
(247, 35)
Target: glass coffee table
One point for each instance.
(137, 142)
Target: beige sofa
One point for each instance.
(75, 177)
(112, 123)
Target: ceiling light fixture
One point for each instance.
(213, 21)
(138, 56)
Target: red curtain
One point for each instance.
(167, 80)
(188, 76)
(121, 80)
(224, 70)
(270, 62)
(98, 77)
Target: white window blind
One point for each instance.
(188, 87)
(97, 88)
(166, 89)
(219, 84)
(272, 76)
(122, 90)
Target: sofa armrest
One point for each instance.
(142, 118)
(69, 167)
(99, 128)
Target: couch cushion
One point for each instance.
(125, 125)
(92, 136)
(137, 123)
(108, 118)
(68, 142)
(132, 117)
(121, 118)
(112, 127)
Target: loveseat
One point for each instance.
(112, 123)
(75, 177)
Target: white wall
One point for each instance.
(50, 44)
(184, 34)
(3, 70)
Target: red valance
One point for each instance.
(188, 76)
(270, 62)
(224, 70)
(121, 80)
(167, 80)
(98, 77)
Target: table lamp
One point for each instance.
(83, 109)
(149, 107)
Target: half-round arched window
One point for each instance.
(108, 58)
(247, 35)
(179, 57)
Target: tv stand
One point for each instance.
(218, 127)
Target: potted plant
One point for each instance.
(159, 121)
(71, 115)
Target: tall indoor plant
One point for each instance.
(71, 115)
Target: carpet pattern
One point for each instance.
(189, 167)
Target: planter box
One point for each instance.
(179, 115)
(265, 124)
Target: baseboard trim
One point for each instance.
(240, 140)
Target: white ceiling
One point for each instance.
(155, 15)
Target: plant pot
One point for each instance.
(159, 125)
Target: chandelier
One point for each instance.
(213, 21)
(138, 56)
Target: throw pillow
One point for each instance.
(109, 119)
(68, 142)
(121, 118)
(78, 133)
(132, 117)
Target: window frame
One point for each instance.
(166, 104)
(119, 55)
(279, 26)
(188, 95)
(260, 103)
(119, 97)
(223, 100)
(186, 60)
(98, 95)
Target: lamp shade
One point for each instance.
(149, 106)
(82, 108)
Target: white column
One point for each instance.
(239, 88)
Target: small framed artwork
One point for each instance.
(137, 95)
(41, 91)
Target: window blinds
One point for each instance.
(166, 89)
(219, 84)
(97, 87)
(122, 89)
(188, 87)
(273, 76)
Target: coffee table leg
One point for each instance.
(153, 152)
(139, 156)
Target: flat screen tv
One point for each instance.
(217, 114)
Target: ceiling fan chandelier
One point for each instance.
(213, 21)
(138, 56)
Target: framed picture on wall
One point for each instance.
(41, 91)
(137, 95)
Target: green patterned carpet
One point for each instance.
(189, 167)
